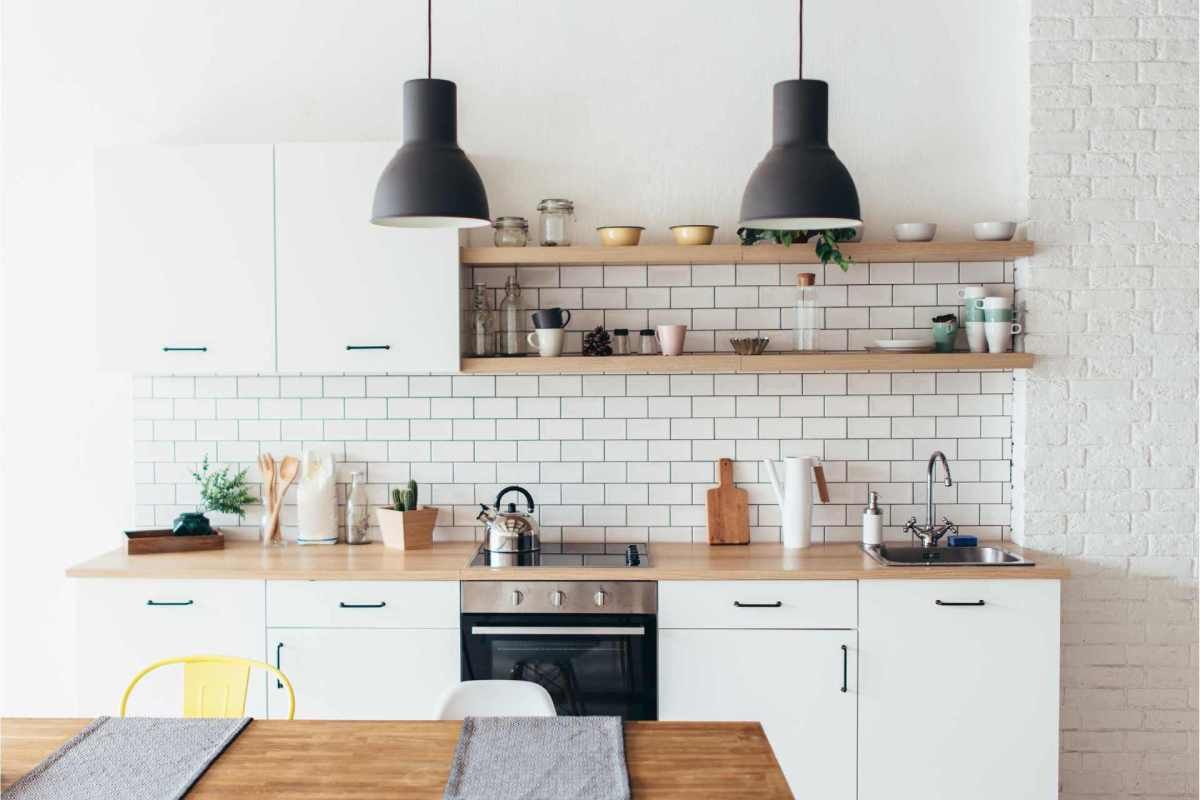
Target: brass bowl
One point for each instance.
(693, 234)
(620, 235)
(750, 347)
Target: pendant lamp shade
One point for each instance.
(430, 182)
(800, 185)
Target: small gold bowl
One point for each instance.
(693, 234)
(750, 347)
(620, 235)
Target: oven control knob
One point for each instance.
(600, 598)
(516, 597)
(557, 598)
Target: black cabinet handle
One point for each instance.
(170, 603)
(776, 604)
(380, 604)
(368, 347)
(943, 603)
(185, 349)
(278, 647)
(845, 667)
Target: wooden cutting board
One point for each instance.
(728, 509)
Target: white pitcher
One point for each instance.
(795, 499)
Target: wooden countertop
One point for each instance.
(448, 561)
(324, 760)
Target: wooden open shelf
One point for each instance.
(664, 254)
(730, 362)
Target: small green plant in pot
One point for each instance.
(405, 525)
(220, 491)
(827, 243)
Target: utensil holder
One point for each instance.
(407, 530)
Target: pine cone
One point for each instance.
(597, 342)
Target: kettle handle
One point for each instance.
(507, 489)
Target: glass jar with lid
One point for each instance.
(482, 323)
(510, 232)
(555, 222)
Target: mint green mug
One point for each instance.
(997, 315)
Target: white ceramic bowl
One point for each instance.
(915, 231)
(994, 231)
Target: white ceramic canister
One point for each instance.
(316, 499)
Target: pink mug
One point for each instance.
(670, 339)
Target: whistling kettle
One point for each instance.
(510, 531)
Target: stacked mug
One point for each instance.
(548, 333)
(988, 320)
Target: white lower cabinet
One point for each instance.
(959, 689)
(361, 673)
(126, 625)
(801, 684)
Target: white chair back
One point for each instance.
(495, 699)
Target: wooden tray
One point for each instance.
(161, 540)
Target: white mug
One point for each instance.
(976, 337)
(971, 292)
(999, 335)
(548, 341)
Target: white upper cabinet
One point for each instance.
(185, 259)
(354, 296)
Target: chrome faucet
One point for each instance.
(930, 533)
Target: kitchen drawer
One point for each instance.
(362, 604)
(757, 604)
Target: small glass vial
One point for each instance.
(647, 343)
(806, 325)
(511, 232)
(620, 341)
(556, 218)
(358, 513)
(511, 341)
(483, 323)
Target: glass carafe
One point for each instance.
(358, 513)
(807, 322)
(482, 323)
(511, 341)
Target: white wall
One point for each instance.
(653, 113)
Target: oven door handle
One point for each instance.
(489, 630)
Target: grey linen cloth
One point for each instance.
(131, 758)
(539, 758)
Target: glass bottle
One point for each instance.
(482, 323)
(510, 232)
(358, 513)
(806, 323)
(555, 223)
(512, 337)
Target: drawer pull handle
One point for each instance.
(368, 347)
(845, 668)
(170, 603)
(944, 603)
(380, 604)
(278, 647)
(185, 349)
(776, 604)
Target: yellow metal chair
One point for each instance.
(214, 686)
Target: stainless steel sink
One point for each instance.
(908, 556)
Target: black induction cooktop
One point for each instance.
(569, 554)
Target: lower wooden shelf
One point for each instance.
(730, 362)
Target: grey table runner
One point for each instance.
(539, 758)
(131, 758)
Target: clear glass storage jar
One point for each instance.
(555, 222)
(510, 232)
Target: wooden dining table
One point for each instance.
(326, 759)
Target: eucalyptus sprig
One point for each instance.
(826, 246)
(220, 491)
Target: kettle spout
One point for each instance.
(773, 477)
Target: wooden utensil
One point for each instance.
(728, 509)
(822, 486)
(289, 468)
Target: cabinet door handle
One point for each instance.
(944, 603)
(170, 602)
(380, 604)
(169, 349)
(278, 647)
(368, 347)
(776, 604)
(845, 668)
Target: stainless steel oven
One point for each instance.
(593, 645)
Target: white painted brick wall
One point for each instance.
(1105, 424)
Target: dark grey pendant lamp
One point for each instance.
(430, 182)
(800, 185)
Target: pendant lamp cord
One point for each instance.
(429, 38)
(800, 55)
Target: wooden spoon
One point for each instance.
(289, 468)
(266, 465)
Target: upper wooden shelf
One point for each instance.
(662, 254)
(730, 362)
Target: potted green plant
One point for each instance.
(826, 245)
(405, 525)
(220, 491)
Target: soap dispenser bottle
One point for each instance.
(872, 521)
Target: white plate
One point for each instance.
(903, 344)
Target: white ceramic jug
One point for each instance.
(795, 499)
